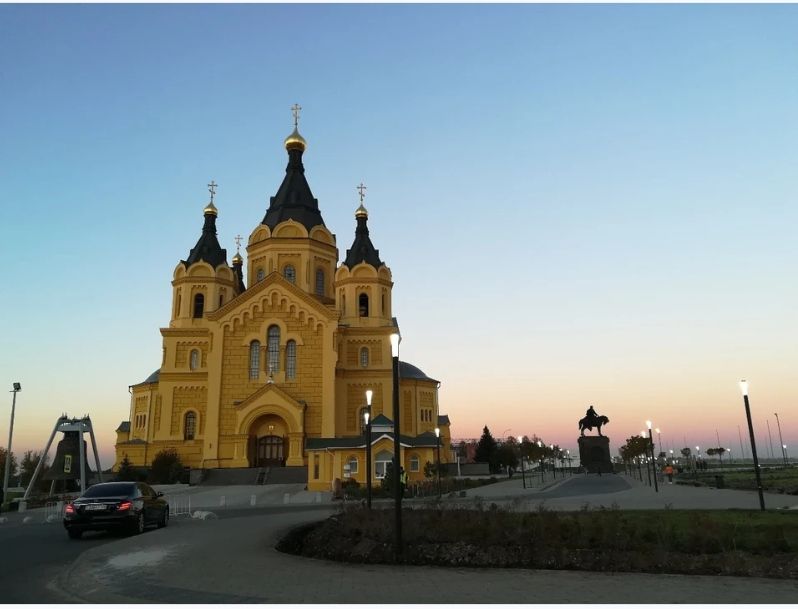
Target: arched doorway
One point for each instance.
(268, 441)
(270, 451)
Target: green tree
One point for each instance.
(28, 465)
(507, 454)
(487, 451)
(13, 470)
(126, 472)
(685, 452)
(166, 467)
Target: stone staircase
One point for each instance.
(244, 476)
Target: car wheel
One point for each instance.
(138, 526)
(74, 533)
(164, 521)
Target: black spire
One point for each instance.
(294, 200)
(207, 248)
(362, 249)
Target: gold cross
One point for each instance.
(295, 111)
(212, 188)
(361, 188)
(238, 243)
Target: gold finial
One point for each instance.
(295, 109)
(210, 208)
(361, 211)
(237, 259)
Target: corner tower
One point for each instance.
(292, 239)
(203, 282)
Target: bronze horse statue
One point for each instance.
(590, 422)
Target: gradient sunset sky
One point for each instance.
(580, 204)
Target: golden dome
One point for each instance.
(295, 141)
(361, 212)
(237, 259)
(210, 208)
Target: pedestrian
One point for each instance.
(669, 473)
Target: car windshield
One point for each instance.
(109, 490)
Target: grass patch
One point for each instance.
(733, 542)
(774, 480)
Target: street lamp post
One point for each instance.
(367, 416)
(781, 441)
(553, 462)
(648, 469)
(540, 448)
(521, 453)
(653, 459)
(17, 387)
(397, 481)
(744, 389)
(438, 458)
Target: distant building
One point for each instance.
(273, 370)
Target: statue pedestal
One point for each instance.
(594, 454)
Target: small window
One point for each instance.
(190, 426)
(383, 302)
(319, 282)
(254, 359)
(177, 305)
(290, 359)
(381, 463)
(273, 349)
(414, 463)
(364, 357)
(289, 272)
(260, 275)
(199, 305)
(193, 360)
(221, 300)
(363, 305)
(352, 465)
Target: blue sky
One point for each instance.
(579, 203)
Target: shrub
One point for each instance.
(166, 467)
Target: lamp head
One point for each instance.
(395, 340)
(657, 430)
(369, 393)
(437, 432)
(366, 417)
(17, 387)
(744, 387)
(539, 444)
(520, 439)
(648, 424)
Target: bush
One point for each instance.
(166, 467)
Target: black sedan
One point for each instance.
(129, 506)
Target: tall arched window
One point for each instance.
(363, 305)
(289, 272)
(364, 357)
(273, 349)
(319, 282)
(260, 275)
(193, 360)
(254, 359)
(290, 359)
(199, 305)
(177, 305)
(190, 426)
(383, 302)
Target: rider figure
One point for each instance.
(591, 414)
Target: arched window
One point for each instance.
(193, 360)
(383, 302)
(364, 357)
(260, 275)
(199, 305)
(254, 359)
(319, 282)
(273, 349)
(381, 463)
(352, 465)
(289, 272)
(414, 463)
(190, 425)
(363, 305)
(221, 300)
(177, 305)
(290, 359)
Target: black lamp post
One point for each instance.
(17, 387)
(367, 416)
(553, 462)
(653, 459)
(540, 448)
(521, 453)
(397, 461)
(744, 389)
(438, 458)
(781, 441)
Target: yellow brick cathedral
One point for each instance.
(268, 366)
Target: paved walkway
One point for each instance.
(233, 560)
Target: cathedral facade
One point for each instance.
(266, 363)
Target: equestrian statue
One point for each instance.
(592, 419)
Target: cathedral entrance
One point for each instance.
(270, 451)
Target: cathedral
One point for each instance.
(266, 361)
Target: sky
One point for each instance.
(580, 204)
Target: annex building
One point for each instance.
(266, 361)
